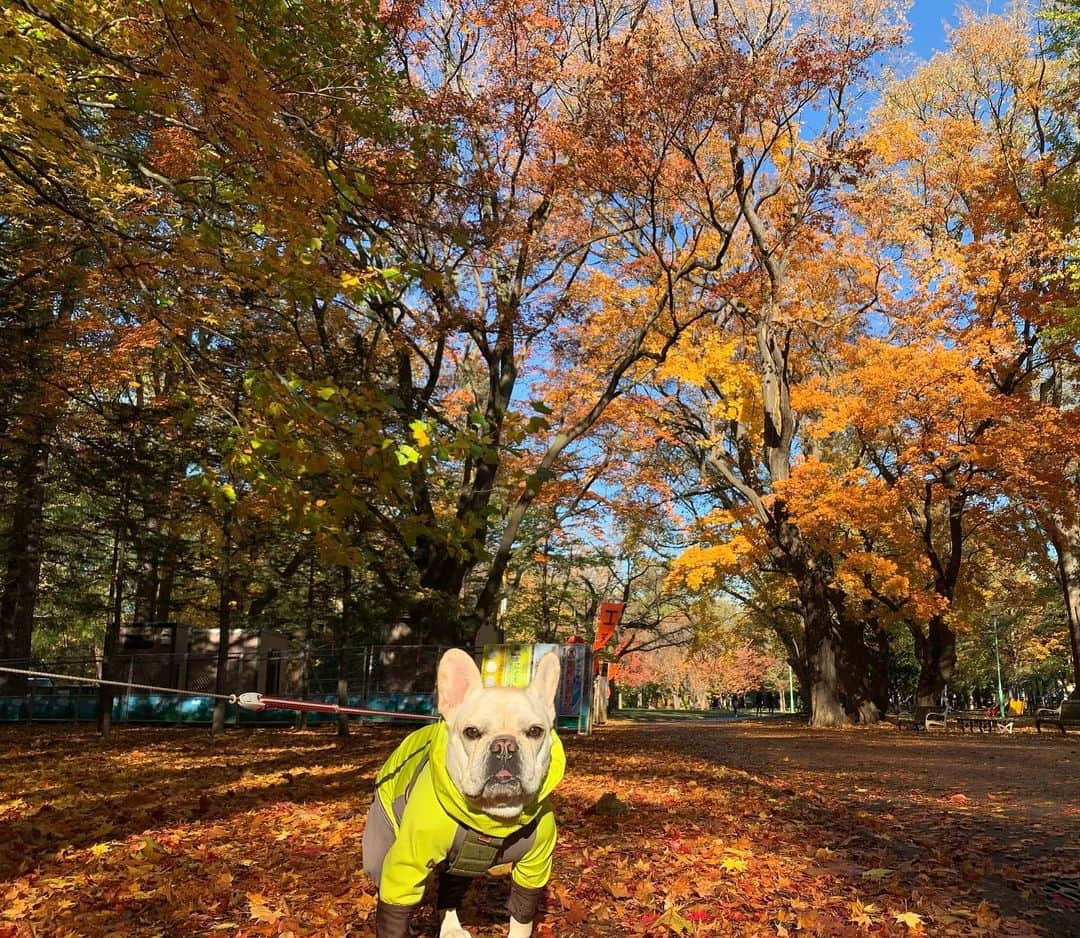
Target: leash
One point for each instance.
(251, 700)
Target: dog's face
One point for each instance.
(499, 738)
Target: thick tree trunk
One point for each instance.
(864, 674)
(1065, 536)
(936, 651)
(825, 707)
(822, 640)
(1070, 580)
(24, 550)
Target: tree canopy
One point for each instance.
(424, 319)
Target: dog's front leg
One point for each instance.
(519, 929)
(451, 927)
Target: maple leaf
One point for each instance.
(912, 920)
(576, 913)
(260, 910)
(617, 889)
(674, 921)
(862, 914)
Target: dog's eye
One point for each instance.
(535, 732)
(471, 732)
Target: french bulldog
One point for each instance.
(468, 793)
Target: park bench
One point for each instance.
(1068, 714)
(983, 721)
(926, 718)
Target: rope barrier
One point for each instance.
(232, 698)
(249, 701)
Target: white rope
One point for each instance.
(232, 698)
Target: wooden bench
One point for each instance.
(1068, 714)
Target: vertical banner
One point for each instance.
(568, 700)
(607, 621)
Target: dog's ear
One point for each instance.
(546, 682)
(458, 675)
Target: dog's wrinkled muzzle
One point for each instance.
(503, 764)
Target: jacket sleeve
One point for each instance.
(423, 840)
(392, 921)
(532, 871)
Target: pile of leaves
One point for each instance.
(664, 830)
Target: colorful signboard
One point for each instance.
(515, 665)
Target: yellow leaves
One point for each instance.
(912, 920)
(260, 909)
(734, 864)
(421, 433)
(699, 565)
(714, 365)
(863, 915)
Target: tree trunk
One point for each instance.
(822, 640)
(936, 651)
(225, 596)
(344, 630)
(1069, 564)
(825, 707)
(1065, 536)
(24, 547)
(112, 628)
(864, 674)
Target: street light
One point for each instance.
(997, 659)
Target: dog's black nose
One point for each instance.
(503, 747)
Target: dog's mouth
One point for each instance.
(502, 781)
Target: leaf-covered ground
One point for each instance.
(757, 828)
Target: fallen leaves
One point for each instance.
(163, 833)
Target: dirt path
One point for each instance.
(1002, 812)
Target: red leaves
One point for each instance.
(726, 831)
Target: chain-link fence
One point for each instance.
(176, 687)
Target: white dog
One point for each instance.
(466, 794)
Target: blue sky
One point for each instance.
(928, 19)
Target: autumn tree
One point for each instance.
(757, 183)
(948, 395)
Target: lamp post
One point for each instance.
(791, 689)
(997, 659)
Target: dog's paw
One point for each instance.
(451, 926)
(519, 929)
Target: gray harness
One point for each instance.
(473, 852)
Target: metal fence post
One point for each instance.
(127, 690)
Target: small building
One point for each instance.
(174, 655)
